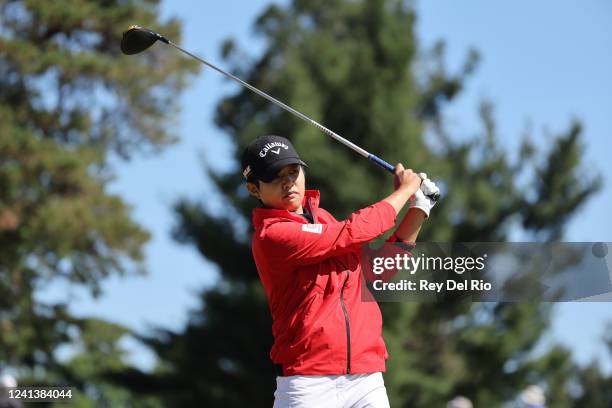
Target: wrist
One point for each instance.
(409, 228)
(407, 190)
(419, 212)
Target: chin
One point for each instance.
(292, 208)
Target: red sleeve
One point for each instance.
(394, 239)
(386, 251)
(305, 244)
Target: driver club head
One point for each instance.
(137, 39)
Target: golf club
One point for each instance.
(137, 39)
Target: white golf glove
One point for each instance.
(420, 200)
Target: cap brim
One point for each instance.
(272, 171)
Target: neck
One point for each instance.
(300, 210)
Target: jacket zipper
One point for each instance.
(346, 318)
(312, 213)
(348, 328)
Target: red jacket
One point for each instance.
(311, 276)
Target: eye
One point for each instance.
(293, 172)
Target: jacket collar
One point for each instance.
(310, 201)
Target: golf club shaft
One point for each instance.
(372, 157)
(288, 108)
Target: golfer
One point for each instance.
(328, 347)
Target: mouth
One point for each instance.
(291, 194)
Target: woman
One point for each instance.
(328, 347)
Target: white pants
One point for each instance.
(331, 391)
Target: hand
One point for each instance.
(420, 199)
(406, 179)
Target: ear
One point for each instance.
(253, 190)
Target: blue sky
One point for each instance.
(543, 63)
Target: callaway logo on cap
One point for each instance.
(270, 147)
(266, 156)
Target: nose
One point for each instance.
(289, 180)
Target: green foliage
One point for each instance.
(99, 353)
(69, 101)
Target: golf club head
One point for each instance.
(137, 39)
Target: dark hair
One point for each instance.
(252, 179)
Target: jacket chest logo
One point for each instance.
(314, 228)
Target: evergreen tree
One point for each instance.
(595, 385)
(97, 350)
(69, 100)
(356, 67)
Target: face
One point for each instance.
(285, 192)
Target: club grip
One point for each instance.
(382, 163)
(391, 169)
